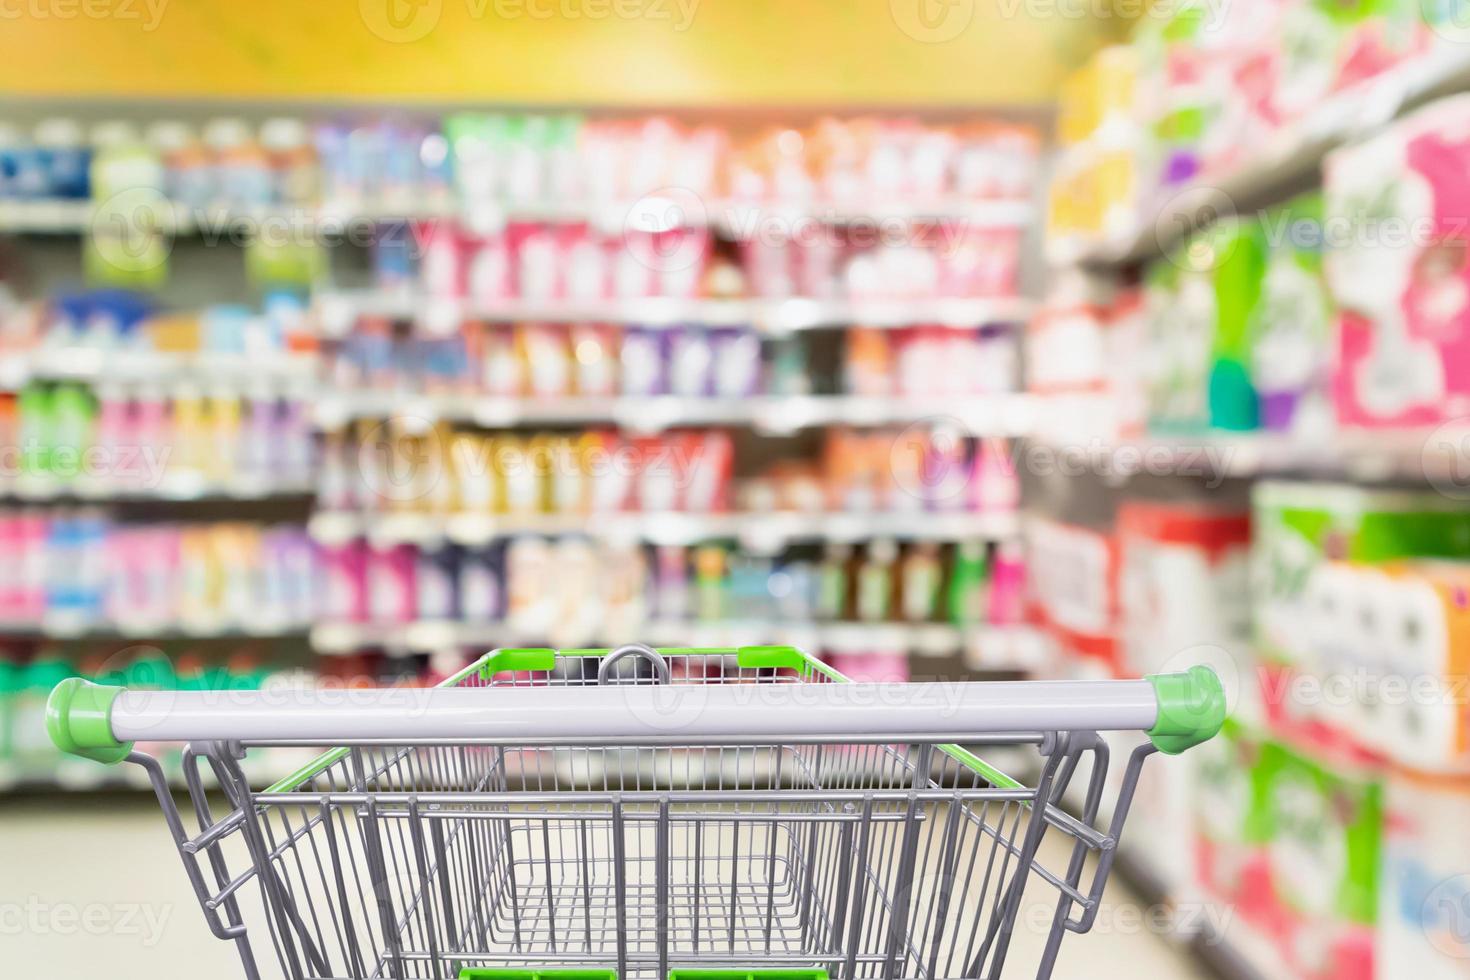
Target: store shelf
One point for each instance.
(979, 415)
(731, 219)
(62, 627)
(173, 487)
(1287, 164)
(1234, 952)
(760, 532)
(94, 364)
(1439, 454)
(983, 647)
(337, 311)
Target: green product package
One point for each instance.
(31, 749)
(37, 429)
(73, 424)
(1325, 829)
(10, 676)
(1298, 528)
(1239, 259)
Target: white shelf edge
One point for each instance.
(776, 317)
(984, 648)
(761, 529)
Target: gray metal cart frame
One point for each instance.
(648, 812)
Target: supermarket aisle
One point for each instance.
(97, 881)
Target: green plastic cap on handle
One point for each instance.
(78, 719)
(1191, 709)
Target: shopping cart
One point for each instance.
(633, 813)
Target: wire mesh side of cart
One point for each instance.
(867, 860)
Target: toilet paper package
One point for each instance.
(1324, 829)
(1072, 592)
(1397, 213)
(1299, 529)
(1389, 649)
(1183, 572)
(1424, 901)
(1422, 716)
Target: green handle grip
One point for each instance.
(1191, 709)
(78, 719)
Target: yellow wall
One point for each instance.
(617, 52)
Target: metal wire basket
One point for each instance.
(648, 813)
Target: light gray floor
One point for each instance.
(91, 886)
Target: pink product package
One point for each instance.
(978, 261)
(137, 577)
(1399, 268)
(30, 532)
(880, 668)
(344, 569)
(391, 584)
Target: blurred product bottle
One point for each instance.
(921, 579)
(873, 601)
(188, 174)
(969, 585)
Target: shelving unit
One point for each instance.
(334, 310)
(1289, 163)
(1179, 467)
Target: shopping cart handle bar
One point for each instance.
(1177, 710)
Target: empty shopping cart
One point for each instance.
(640, 813)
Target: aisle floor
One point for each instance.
(92, 886)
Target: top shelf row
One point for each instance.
(1283, 164)
(647, 174)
